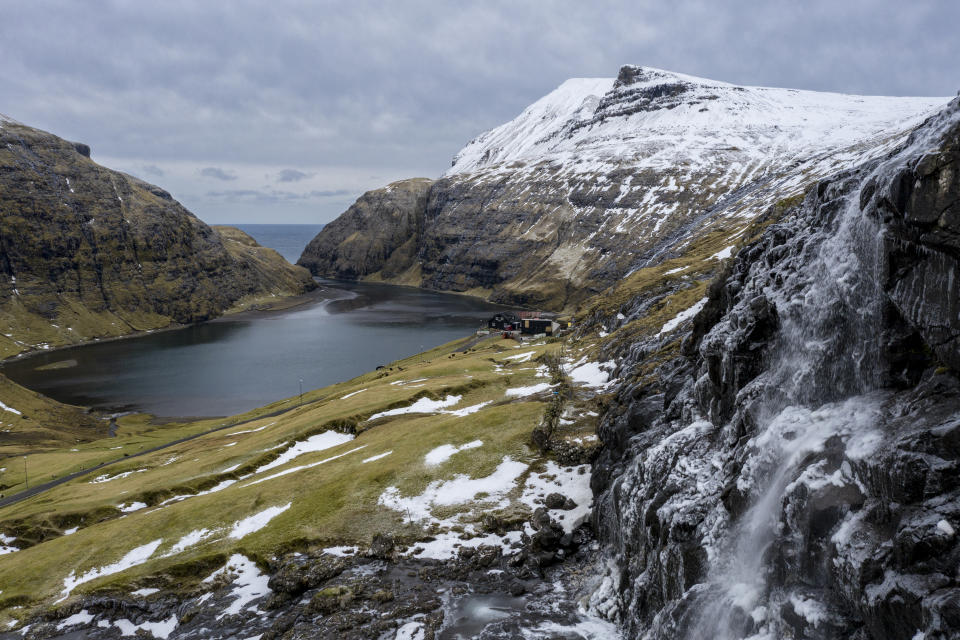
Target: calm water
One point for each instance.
(235, 364)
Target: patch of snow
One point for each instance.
(257, 521)
(70, 531)
(187, 541)
(107, 477)
(352, 394)
(133, 506)
(723, 254)
(572, 482)
(134, 557)
(305, 466)
(677, 270)
(445, 545)
(237, 433)
(444, 452)
(250, 583)
(467, 410)
(423, 405)
(521, 357)
(340, 551)
(376, 457)
(411, 631)
(143, 593)
(945, 528)
(460, 489)
(9, 408)
(591, 374)
(682, 317)
(319, 442)
(529, 391)
(82, 617)
(161, 629)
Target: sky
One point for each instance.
(285, 112)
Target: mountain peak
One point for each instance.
(649, 117)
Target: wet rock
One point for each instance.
(559, 501)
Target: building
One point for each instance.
(536, 326)
(504, 322)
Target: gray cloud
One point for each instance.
(393, 89)
(292, 175)
(275, 196)
(153, 170)
(217, 173)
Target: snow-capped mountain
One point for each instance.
(604, 176)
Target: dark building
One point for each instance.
(534, 326)
(504, 322)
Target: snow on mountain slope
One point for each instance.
(603, 177)
(653, 118)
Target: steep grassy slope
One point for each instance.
(86, 252)
(200, 489)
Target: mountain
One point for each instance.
(781, 455)
(753, 435)
(87, 252)
(602, 177)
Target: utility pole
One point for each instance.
(26, 480)
(301, 392)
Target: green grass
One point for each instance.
(332, 503)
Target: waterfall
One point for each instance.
(735, 499)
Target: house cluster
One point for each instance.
(526, 323)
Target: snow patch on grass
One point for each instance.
(592, 374)
(423, 405)
(529, 391)
(9, 408)
(319, 442)
(458, 490)
(468, 410)
(136, 556)
(444, 452)
(352, 394)
(256, 522)
(376, 457)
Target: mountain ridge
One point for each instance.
(604, 176)
(88, 253)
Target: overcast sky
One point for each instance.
(286, 111)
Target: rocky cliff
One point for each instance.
(602, 177)
(86, 252)
(782, 461)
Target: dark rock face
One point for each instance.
(105, 254)
(793, 470)
(377, 234)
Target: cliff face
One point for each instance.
(377, 235)
(786, 465)
(605, 176)
(87, 252)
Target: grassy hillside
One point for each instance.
(183, 503)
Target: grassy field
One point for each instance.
(200, 489)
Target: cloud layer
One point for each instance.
(336, 98)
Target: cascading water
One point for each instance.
(827, 347)
(755, 504)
